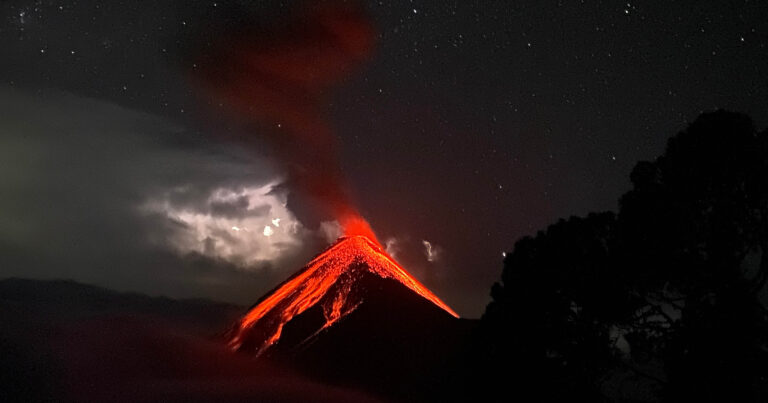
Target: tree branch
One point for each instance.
(762, 275)
(642, 373)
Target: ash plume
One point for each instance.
(278, 79)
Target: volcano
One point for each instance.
(353, 275)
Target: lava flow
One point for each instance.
(327, 280)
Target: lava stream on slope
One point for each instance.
(329, 280)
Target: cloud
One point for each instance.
(392, 246)
(432, 252)
(331, 230)
(235, 225)
(79, 175)
(418, 257)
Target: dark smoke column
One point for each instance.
(277, 79)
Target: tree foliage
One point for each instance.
(663, 296)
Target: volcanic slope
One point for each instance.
(331, 286)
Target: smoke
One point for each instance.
(278, 79)
(432, 252)
(392, 246)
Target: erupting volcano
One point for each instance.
(279, 78)
(337, 281)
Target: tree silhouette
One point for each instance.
(665, 292)
(548, 317)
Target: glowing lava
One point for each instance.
(327, 280)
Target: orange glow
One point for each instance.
(312, 284)
(354, 225)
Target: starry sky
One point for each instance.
(469, 125)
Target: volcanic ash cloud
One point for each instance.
(277, 79)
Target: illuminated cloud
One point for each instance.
(92, 169)
(392, 247)
(331, 230)
(432, 252)
(220, 226)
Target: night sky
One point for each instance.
(469, 125)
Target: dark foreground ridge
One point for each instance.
(69, 342)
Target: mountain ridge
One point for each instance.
(331, 279)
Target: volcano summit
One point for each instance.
(351, 274)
